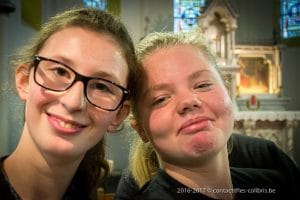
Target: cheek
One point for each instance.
(37, 97)
(221, 105)
(159, 124)
(101, 119)
(39, 94)
(220, 102)
(154, 125)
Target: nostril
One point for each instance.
(189, 106)
(74, 98)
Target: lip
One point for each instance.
(194, 125)
(63, 125)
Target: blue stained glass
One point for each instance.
(100, 4)
(290, 18)
(186, 13)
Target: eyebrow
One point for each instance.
(105, 75)
(199, 73)
(167, 86)
(163, 86)
(99, 74)
(158, 87)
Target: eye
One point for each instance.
(203, 85)
(102, 87)
(160, 100)
(60, 71)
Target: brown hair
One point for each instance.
(93, 164)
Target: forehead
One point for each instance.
(85, 37)
(87, 52)
(176, 58)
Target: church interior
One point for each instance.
(254, 53)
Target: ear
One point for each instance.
(228, 88)
(227, 83)
(120, 117)
(134, 124)
(22, 81)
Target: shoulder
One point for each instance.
(266, 183)
(127, 186)
(250, 144)
(78, 190)
(252, 152)
(5, 190)
(255, 177)
(159, 187)
(164, 187)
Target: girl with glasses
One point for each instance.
(74, 78)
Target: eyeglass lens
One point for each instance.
(57, 77)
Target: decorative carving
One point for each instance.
(218, 23)
(259, 69)
(277, 127)
(255, 106)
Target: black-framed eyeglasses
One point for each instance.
(57, 76)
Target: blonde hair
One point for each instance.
(143, 159)
(160, 40)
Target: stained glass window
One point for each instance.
(290, 18)
(186, 13)
(100, 4)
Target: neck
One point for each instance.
(213, 174)
(46, 177)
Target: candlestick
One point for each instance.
(238, 79)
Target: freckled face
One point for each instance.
(186, 111)
(64, 123)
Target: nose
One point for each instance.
(188, 102)
(74, 98)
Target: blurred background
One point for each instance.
(257, 42)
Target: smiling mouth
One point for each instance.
(69, 125)
(63, 125)
(194, 126)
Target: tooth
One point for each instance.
(66, 125)
(61, 123)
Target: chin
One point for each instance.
(64, 150)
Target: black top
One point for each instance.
(261, 157)
(7, 192)
(248, 184)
